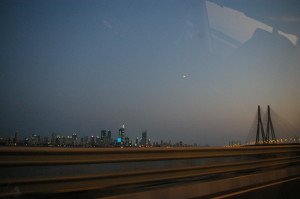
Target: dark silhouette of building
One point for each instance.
(109, 136)
(144, 139)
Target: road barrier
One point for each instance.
(220, 163)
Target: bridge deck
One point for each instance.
(271, 163)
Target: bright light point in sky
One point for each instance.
(184, 76)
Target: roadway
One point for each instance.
(287, 189)
(233, 172)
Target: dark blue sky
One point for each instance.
(165, 66)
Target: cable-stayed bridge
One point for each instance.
(269, 168)
(271, 128)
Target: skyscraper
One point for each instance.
(74, 139)
(103, 134)
(105, 138)
(144, 139)
(109, 136)
(122, 132)
(120, 139)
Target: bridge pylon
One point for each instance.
(270, 135)
(260, 128)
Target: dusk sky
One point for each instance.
(191, 71)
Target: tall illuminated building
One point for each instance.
(122, 132)
(120, 139)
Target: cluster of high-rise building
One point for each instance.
(104, 139)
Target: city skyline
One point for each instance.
(191, 71)
(104, 139)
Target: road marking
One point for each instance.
(255, 188)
